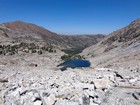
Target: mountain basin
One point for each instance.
(74, 64)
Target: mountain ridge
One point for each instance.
(119, 49)
(23, 26)
(29, 28)
(21, 32)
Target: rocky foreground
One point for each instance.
(37, 84)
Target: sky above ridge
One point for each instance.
(72, 16)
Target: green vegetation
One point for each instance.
(73, 51)
(25, 47)
(72, 54)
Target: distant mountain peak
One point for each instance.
(19, 21)
(20, 25)
(136, 22)
(28, 27)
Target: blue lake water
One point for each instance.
(74, 64)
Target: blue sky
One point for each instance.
(72, 16)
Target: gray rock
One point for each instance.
(102, 83)
(92, 102)
(136, 95)
(85, 100)
(64, 102)
(37, 103)
(120, 96)
(50, 100)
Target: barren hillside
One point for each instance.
(119, 49)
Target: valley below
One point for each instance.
(29, 72)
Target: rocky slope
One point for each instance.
(119, 49)
(82, 41)
(21, 31)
